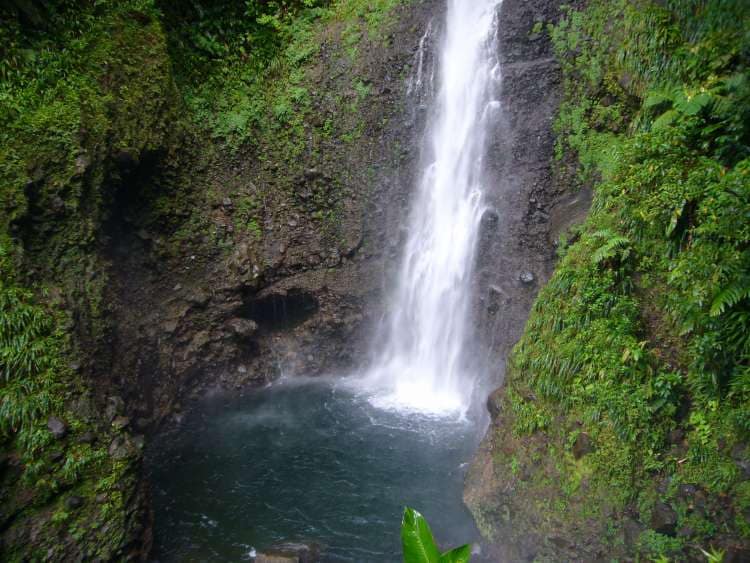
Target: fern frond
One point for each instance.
(730, 296)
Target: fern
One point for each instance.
(730, 296)
(614, 244)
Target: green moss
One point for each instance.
(642, 330)
(247, 94)
(93, 82)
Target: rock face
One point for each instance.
(292, 296)
(531, 205)
(57, 427)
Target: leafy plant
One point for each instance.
(641, 338)
(419, 544)
(713, 555)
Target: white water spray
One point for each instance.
(422, 364)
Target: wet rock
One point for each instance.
(494, 403)
(197, 297)
(56, 457)
(625, 80)
(121, 422)
(676, 436)
(312, 174)
(526, 278)
(631, 531)
(73, 502)
(663, 485)
(82, 163)
(57, 427)
(560, 543)
(115, 405)
(490, 218)
(290, 553)
(121, 448)
(663, 519)
(86, 438)
(737, 552)
(57, 204)
(269, 558)
(241, 328)
(582, 446)
(125, 159)
(226, 203)
(142, 423)
(741, 457)
(687, 491)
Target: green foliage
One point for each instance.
(645, 326)
(419, 545)
(659, 546)
(713, 555)
(86, 80)
(29, 361)
(242, 67)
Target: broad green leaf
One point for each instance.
(416, 538)
(457, 555)
(676, 214)
(657, 98)
(695, 104)
(665, 119)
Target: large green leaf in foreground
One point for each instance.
(419, 544)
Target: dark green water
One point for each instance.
(306, 462)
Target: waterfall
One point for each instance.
(421, 363)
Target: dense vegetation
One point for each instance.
(637, 353)
(64, 99)
(95, 93)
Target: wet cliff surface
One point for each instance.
(529, 203)
(619, 431)
(168, 257)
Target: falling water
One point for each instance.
(422, 364)
(250, 472)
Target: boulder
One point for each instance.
(241, 328)
(290, 553)
(663, 519)
(115, 405)
(526, 278)
(57, 427)
(121, 448)
(582, 446)
(87, 437)
(73, 502)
